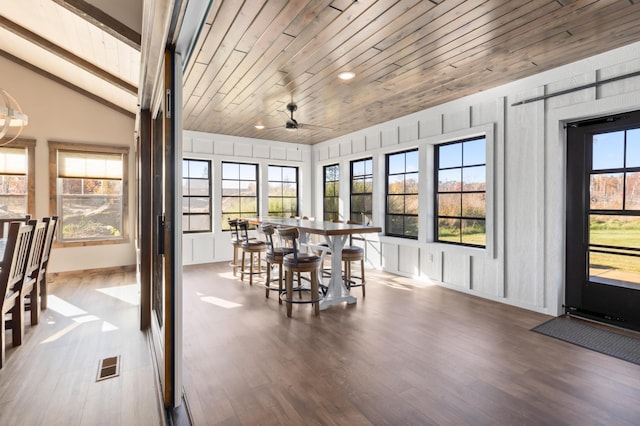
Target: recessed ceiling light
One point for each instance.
(259, 126)
(346, 75)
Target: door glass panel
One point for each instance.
(606, 191)
(632, 191)
(608, 151)
(614, 248)
(633, 148)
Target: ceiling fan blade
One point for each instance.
(312, 127)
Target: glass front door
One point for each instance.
(603, 219)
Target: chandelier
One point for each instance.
(11, 115)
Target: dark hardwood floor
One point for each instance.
(407, 354)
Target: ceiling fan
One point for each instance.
(292, 123)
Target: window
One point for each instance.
(402, 194)
(331, 203)
(283, 191)
(17, 183)
(196, 195)
(90, 192)
(461, 193)
(239, 191)
(361, 190)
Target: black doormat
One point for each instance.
(590, 337)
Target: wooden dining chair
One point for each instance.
(51, 222)
(297, 262)
(30, 291)
(11, 277)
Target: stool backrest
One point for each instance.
(268, 231)
(244, 230)
(233, 225)
(290, 237)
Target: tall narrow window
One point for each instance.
(90, 192)
(239, 191)
(402, 194)
(283, 191)
(361, 190)
(331, 204)
(461, 193)
(196, 195)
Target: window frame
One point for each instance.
(335, 215)
(283, 197)
(226, 215)
(54, 147)
(189, 214)
(436, 192)
(29, 145)
(386, 186)
(367, 195)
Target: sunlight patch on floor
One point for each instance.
(220, 302)
(62, 307)
(71, 311)
(127, 293)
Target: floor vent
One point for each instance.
(108, 368)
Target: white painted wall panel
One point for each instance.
(202, 146)
(359, 144)
(455, 269)
(278, 153)
(409, 260)
(430, 126)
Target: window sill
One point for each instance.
(86, 243)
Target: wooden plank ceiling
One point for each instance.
(254, 57)
(78, 45)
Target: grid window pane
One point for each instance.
(239, 191)
(461, 192)
(361, 189)
(283, 191)
(402, 194)
(196, 195)
(331, 196)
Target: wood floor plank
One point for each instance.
(407, 354)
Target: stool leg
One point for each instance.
(315, 294)
(250, 268)
(235, 260)
(289, 286)
(362, 275)
(268, 279)
(242, 266)
(279, 283)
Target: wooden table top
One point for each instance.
(319, 227)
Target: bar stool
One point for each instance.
(253, 247)
(353, 254)
(350, 254)
(236, 241)
(274, 256)
(300, 263)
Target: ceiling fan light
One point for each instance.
(291, 126)
(346, 75)
(259, 126)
